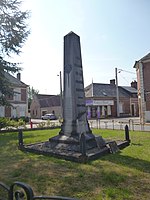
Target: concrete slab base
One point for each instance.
(70, 152)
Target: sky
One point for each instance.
(113, 34)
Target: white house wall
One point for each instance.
(1, 111)
(19, 110)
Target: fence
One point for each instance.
(22, 191)
(118, 124)
(114, 124)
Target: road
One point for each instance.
(116, 123)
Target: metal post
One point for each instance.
(20, 138)
(61, 96)
(113, 124)
(127, 133)
(117, 93)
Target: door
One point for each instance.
(7, 111)
(132, 110)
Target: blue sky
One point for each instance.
(113, 33)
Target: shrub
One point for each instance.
(3, 122)
(9, 123)
(41, 125)
(25, 119)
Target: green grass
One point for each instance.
(121, 176)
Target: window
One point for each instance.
(23, 95)
(17, 94)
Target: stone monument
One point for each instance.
(75, 141)
(74, 110)
(75, 135)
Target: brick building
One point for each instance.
(43, 104)
(101, 100)
(19, 101)
(143, 79)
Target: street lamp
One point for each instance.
(117, 91)
(61, 97)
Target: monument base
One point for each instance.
(70, 148)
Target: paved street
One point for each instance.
(116, 123)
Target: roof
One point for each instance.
(130, 89)
(44, 96)
(145, 58)
(14, 81)
(108, 90)
(48, 100)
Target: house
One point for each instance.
(101, 100)
(18, 101)
(43, 104)
(142, 67)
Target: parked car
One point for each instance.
(49, 116)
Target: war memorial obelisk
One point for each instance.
(75, 141)
(75, 136)
(74, 110)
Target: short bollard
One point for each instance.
(106, 125)
(82, 144)
(31, 124)
(113, 124)
(127, 133)
(20, 138)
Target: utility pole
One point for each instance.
(61, 95)
(117, 92)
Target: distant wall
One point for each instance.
(147, 116)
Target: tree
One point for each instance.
(31, 93)
(13, 33)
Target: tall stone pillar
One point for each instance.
(74, 109)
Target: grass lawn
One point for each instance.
(121, 176)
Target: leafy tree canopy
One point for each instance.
(31, 93)
(13, 33)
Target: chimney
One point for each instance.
(134, 84)
(19, 76)
(112, 82)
